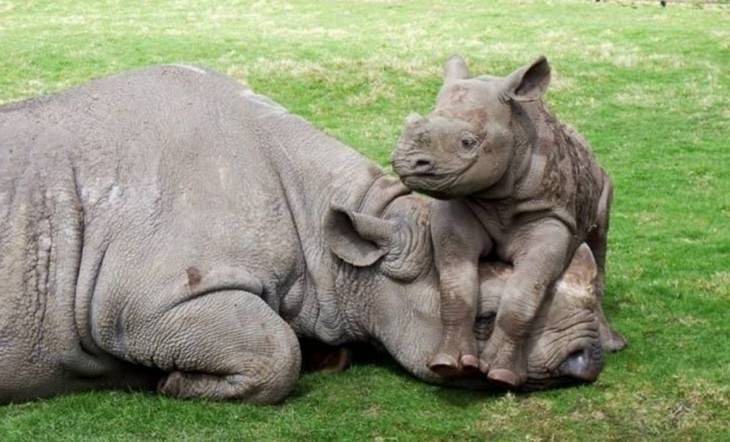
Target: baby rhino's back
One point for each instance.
(569, 180)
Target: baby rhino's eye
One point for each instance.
(468, 142)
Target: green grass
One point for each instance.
(649, 87)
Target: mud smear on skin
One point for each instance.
(194, 276)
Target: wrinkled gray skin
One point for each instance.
(518, 185)
(168, 228)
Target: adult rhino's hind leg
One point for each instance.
(597, 240)
(221, 345)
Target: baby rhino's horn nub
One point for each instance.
(455, 69)
(413, 118)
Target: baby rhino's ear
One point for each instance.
(529, 82)
(455, 69)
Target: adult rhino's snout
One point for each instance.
(584, 365)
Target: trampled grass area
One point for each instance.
(649, 87)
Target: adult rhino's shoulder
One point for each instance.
(206, 77)
(197, 78)
(178, 80)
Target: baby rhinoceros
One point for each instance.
(513, 183)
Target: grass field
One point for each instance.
(649, 87)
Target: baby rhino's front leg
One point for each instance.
(458, 241)
(539, 252)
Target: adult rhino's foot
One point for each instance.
(504, 362)
(456, 354)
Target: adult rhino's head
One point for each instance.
(468, 142)
(564, 344)
(387, 280)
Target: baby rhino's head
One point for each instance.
(467, 143)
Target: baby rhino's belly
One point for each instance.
(509, 225)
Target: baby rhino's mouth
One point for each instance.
(404, 175)
(419, 172)
(431, 184)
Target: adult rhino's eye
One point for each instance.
(468, 142)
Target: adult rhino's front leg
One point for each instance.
(226, 344)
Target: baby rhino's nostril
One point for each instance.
(422, 165)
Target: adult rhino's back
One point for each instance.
(113, 190)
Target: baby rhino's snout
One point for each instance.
(416, 164)
(409, 158)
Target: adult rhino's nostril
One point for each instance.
(584, 365)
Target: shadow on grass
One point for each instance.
(366, 355)
(360, 355)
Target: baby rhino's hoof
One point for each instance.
(446, 365)
(470, 363)
(504, 378)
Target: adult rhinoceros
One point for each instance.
(169, 227)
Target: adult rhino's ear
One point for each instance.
(529, 82)
(455, 69)
(578, 280)
(582, 270)
(356, 238)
